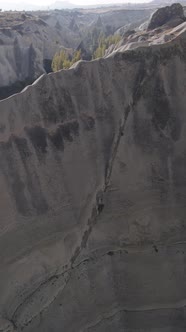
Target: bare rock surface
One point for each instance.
(92, 202)
(143, 36)
(166, 15)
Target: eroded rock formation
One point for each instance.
(28, 41)
(170, 15)
(92, 205)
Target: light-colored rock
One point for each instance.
(92, 202)
(24, 45)
(142, 38)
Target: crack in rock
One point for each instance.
(96, 210)
(113, 313)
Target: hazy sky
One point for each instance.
(91, 2)
(78, 2)
(40, 4)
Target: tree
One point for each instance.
(63, 60)
(104, 43)
(76, 57)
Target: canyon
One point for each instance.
(29, 40)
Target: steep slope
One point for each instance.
(92, 206)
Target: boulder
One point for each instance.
(167, 15)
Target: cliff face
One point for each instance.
(92, 203)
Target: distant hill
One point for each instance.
(167, 2)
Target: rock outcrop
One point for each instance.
(143, 37)
(92, 203)
(171, 15)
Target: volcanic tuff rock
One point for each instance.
(28, 41)
(167, 15)
(93, 189)
(143, 36)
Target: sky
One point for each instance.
(47, 4)
(76, 2)
(91, 2)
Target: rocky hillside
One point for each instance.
(28, 41)
(157, 30)
(93, 186)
